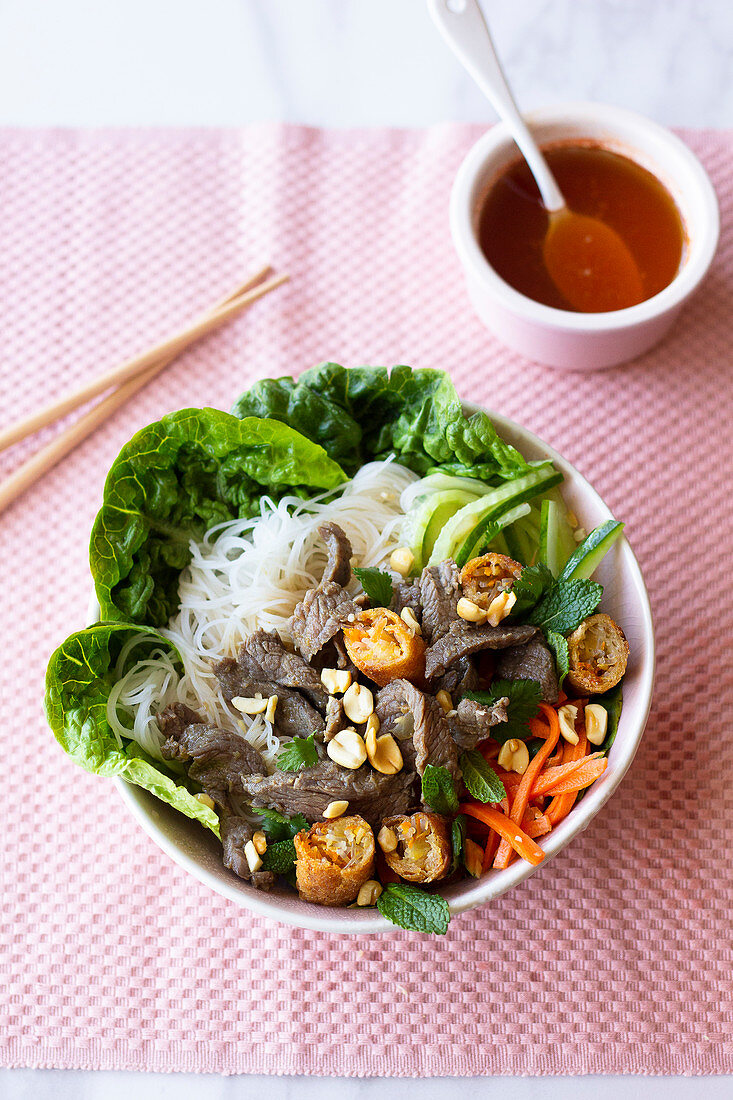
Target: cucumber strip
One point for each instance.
(591, 551)
(425, 521)
(557, 544)
(468, 525)
(471, 550)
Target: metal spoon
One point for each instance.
(586, 259)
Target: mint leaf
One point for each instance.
(279, 857)
(524, 698)
(276, 826)
(481, 781)
(530, 587)
(438, 790)
(413, 909)
(559, 647)
(298, 754)
(376, 584)
(565, 606)
(458, 836)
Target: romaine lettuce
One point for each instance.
(174, 480)
(79, 677)
(362, 413)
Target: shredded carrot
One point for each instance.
(539, 728)
(535, 822)
(521, 798)
(509, 830)
(571, 777)
(492, 843)
(489, 749)
(562, 804)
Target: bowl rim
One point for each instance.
(370, 921)
(648, 135)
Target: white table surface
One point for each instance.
(349, 63)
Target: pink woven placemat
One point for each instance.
(617, 958)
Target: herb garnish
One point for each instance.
(565, 605)
(413, 909)
(439, 790)
(481, 780)
(376, 583)
(298, 754)
(279, 857)
(524, 699)
(276, 826)
(559, 646)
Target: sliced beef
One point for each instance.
(369, 793)
(463, 639)
(235, 834)
(406, 594)
(458, 679)
(295, 716)
(173, 720)
(334, 717)
(400, 705)
(334, 655)
(440, 591)
(319, 617)
(338, 566)
(471, 722)
(262, 656)
(217, 759)
(533, 661)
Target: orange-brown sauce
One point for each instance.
(513, 222)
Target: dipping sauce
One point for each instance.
(513, 225)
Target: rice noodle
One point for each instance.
(247, 574)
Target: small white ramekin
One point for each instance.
(584, 341)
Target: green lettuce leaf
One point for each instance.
(79, 677)
(175, 479)
(361, 413)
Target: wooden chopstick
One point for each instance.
(51, 454)
(161, 355)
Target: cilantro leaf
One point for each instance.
(524, 699)
(411, 908)
(298, 754)
(458, 836)
(481, 781)
(530, 587)
(559, 646)
(438, 790)
(279, 857)
(276, 826)
(376, 583)
(565, 606)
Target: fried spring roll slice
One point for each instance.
(484, 578)
(384, 648)
(422, 852)
(334, 859)
(598, 653)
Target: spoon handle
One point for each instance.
(464, 28)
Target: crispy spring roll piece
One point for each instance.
(598, 653)
(484, 578)
(334, 859)
(384, 648)
(422, 852)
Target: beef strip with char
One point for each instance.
(471, 722)
(334, 717)
(218, 761)
(235, 834)
(338, 566)
(262, 656)
(533, 661)
(308, 792)
(458, 679)
(464, 639)
(400, 705)
(319, 617)
(294, 715)
(440, 591)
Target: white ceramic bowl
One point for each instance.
(584, 341)
(625, 598)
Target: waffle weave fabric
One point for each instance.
(619, 956)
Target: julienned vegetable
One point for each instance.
(236, 519)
